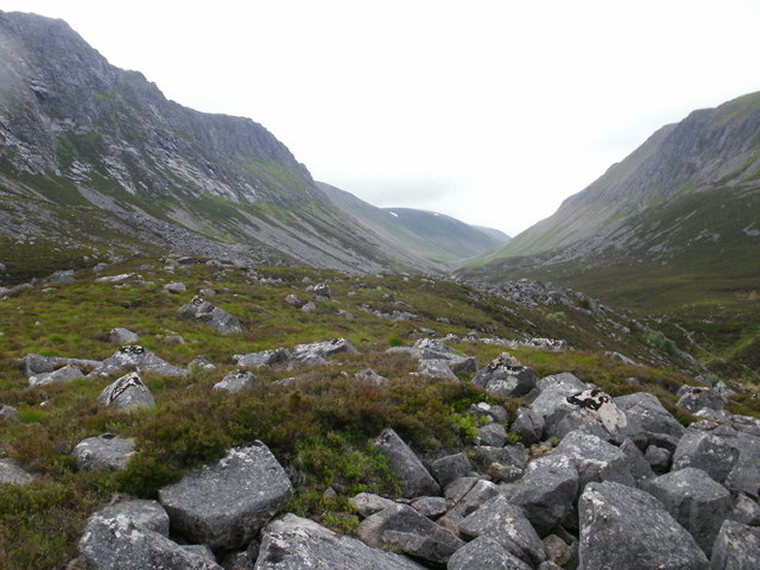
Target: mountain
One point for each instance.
(94, 158)
(434, 237)
(673, 229)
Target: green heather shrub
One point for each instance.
(557, 317)
(660, 341)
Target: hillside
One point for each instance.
(435, 237)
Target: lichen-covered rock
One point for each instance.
(712, 453)
(9, 414)
(295, 543)
(595, 459)
(624, 527)
(318, 352)
(263, 358)
(414, 477)
(437, 368)
(225, 504)
(506, 524)
(694, 398)
(492, 412)
(492, 434)
(648, 421)
(450, 467)
(745, 474)
(135, 357)
(553, 392)
(484, 552)
(122, 336)
(600, 406)
(737, 547)
(34, 364)
(236, 381)
(106, 452)
(141, 512)
(529, 425)
(208, 313)
(64, 374)
(468, 494)
(506, 376)
(367, 504)
(401, 528)
(696, 501)
(12, 474)
(431, 349)
(128, 392)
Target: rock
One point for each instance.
(529, 425)
(737, 547)
(693, 398)
(558, 551)
(136, 357)
(484, 456)
(367, 504)
(547, 492)
(292, 300)
(698, 503)
(492, 434)
(485, 553)
(63, 276)
(709, 452)
(309, 307)
(601, 406)
(175, 287)
(637, 463)
(322, 290)
(295, 543)
(8, 414)
(224, 505)
(745, 473)
(105, 451)
(553, 392)
(648, 421)
(263, 358)
(468, 494)
(595, 459)
(34, 364)
(200, 363)
(506, 524)
(141, 512)
(65, 374)
(236, 381)
(122, 278)
(371, 377)
(492, 412)
(447, 469)
(430, 507)
(437, 368)
(659, 458)
(305, 353)
(209, 314)
(624, 527)
(127, 393)
(505, 376)
(415, 479)
(206, 292)
(745, 510)
(431, 349)
(117, 543)
(401, 528)
(122, 336)
(12, 474)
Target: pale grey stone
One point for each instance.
(106, 452)
(414, 477)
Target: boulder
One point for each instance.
(8, 414)
(648, 421)
(175, 287)
(529, 425)
(65, 374)
(745, 473)
(468, 494)
(595, 459)
(127, 393)
(415, 479)
(696, 501)
(485, 552)
(492, 434)
(292, 300)
(295, 543)
(367, 504)
(207, 313)
(120, 335)
(141, 512)
(236, 381)
(118, 543)
(659, 458)
(133, 278)
(624, 527)
(639, 467)
(135, 357)
(737, 547)
(12, 474)
(309, 307)
(601, 407)
(505, 376)
(712, 453)
(447, 469)
(105, 451)
(401, 528)
(34, 364)
(431, 349)
(745, 510)
(506, 524)
(371, 377)
(430, 507)
(319, 352)
(693, 398)
(485, 456)
(437, 368)
(262, 358)
(553, 392)
(224, 505)
(492, 412)
(547, 492)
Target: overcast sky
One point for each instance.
(489, 111)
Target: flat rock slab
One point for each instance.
(105, 451)
(623, 527)
(224, 505)
(295, 543)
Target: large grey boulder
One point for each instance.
(638, 464)
(506, 524)
(648, 421)
(64, 374)
(590, 410)
(262, 358)
(437, 368)
(547, 492)
(694, 398)
(416, 480)
(127, 393)
(135, 357)
(529, 425)
(122, 336)
(624, 527)
(367, 504)
(506, 376)
(553, 392)
(401, 528)
(431, 349)
(211, 315)
(142, 512)
(468, 494)
(696, 501)
(492, 434)
(224, 505)
(737, 547)
(34, 364)
(105, 451)
(485, 552)
(295, 543)
(745, 474)
(318, 352)
(9, 414)
(12, 474)
(595, 459)
(713, 453)
(491, 412)
(119, 543)
(236, 381)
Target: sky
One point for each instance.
(491, 111)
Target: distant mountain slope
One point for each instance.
(94, 157)
(429, 235)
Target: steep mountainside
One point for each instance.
(426, 234)
(94, 156)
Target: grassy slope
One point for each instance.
(321, 440)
